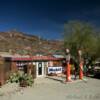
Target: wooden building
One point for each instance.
(37, 66)
(5, 69)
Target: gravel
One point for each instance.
(49, 89)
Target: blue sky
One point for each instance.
(46, 17)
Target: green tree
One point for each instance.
(98, 47)
(80, 35)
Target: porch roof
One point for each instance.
(35, 58)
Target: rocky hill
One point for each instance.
(21, 43)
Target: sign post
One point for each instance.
(68, 76)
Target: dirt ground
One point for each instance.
(49, 89)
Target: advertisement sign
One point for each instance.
(55, 70)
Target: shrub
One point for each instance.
(14, 78)
(26, 80)
(21, 78)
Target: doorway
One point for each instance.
(40, 69)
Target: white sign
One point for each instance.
(54, 70)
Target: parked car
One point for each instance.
(96, 69)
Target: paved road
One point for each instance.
(48, 89)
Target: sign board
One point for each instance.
(55, 70)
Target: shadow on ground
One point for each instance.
(56, 79)
(97, 76)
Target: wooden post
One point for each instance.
(2, 77)
(14, 67)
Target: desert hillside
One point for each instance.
(22, 43)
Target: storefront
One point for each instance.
(37, 66)
(40, 67)
(44, 63)
(23, 64)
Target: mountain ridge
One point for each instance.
(22, 43)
